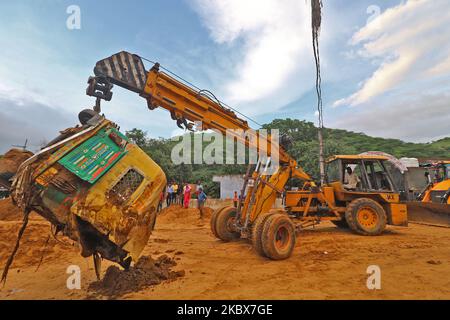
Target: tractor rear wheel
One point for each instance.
(257, 230)
(366, 217)
(278, 237)
(225, 220)
(214, 219)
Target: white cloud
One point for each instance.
(413, 41)
(25, 119)
(38, 78)
(275, 40)
(441, 68)
(418, 118)
(20, 96)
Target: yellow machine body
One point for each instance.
(129, 223)
(435, 193)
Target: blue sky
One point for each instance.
(382, 73)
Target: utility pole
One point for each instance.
(316, 21)
(24, 147)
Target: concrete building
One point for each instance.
(229, 184)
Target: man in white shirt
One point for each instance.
(352, 179)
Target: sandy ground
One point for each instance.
(328, 263)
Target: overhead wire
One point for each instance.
(316, 21)
(204, 92)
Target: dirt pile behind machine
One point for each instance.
(9, 164)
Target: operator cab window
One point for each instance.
(352, 176)
(377, 176)
(333, 171)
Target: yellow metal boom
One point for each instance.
(188, 105)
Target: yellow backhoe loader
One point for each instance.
(433, 203)
(438, 188)
(366, 207)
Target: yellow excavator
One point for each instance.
(438, 188)
(433, 203)
(366, 207)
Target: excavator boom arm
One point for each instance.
(188, 106)
(185, 104)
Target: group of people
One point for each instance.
(181, 193)
(174, 192)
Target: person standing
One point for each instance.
(183, 188)
(169, 195)
(235, 199)
(160, 203)
(201, 198)
(174, 193)
(198, 187)
(187, 195)
(180, 194)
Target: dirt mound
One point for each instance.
(9, 164)
(34, 248)
(12, 159)
(147, 272)
(177, 214)
(8, 211)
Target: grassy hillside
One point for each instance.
(352, 142)
(304, 149)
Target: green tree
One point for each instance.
(305, 150)
(138, 136)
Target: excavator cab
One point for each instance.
(438, 188)
(364, 190)
(370, 174)
(432, 205)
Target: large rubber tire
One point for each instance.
(214, 219)
(257, 229)
(85, 115)
(341, 224)
(366, 217)
(225, 218)
(278, 237)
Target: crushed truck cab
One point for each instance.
(96, 187)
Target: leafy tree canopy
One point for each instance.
(304, 149)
